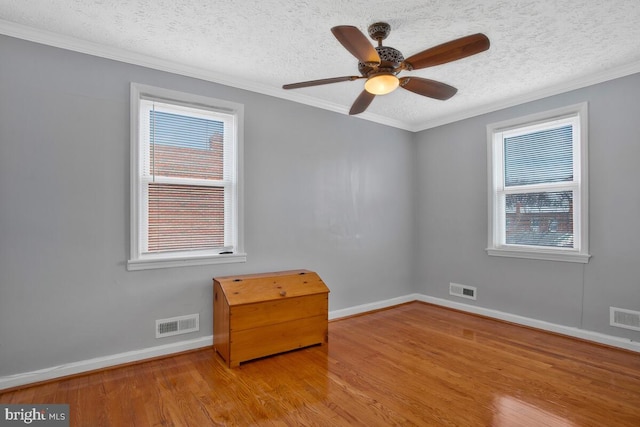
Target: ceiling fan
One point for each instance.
(380, 65)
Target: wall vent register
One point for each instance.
(177, 325)
(622, 318)
(463, 291)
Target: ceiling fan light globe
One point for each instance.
(381, 84)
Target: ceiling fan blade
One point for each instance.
(361, 103)
(426, 87)
(321, 82)
(355, 42)
(447, 52)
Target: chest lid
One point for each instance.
(250, 288)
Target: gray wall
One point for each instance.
(377, 212)
(323, 191)
(452, 217)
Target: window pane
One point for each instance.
(539, 157)
(185, 217)
(540, 219)
(185, 146)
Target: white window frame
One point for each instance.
(139, 259)
(497, 218)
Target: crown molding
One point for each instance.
(117, 54)
(568, 86)
(95, 49)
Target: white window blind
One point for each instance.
(531, 160)
(186, 191)
(184, 175)
(538, 157)
(185, 217)
(538, 205)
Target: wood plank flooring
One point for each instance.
(412, 365)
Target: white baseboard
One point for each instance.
(359, 309)
(102, 362)
(164, 350)
(597, 337)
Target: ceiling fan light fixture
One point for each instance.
(382, 84)
(380, 65)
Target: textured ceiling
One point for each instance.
(537, 47)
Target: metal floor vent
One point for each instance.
(177, 325)
(463, 291)
(622, 318)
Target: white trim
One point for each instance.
(82, 46)
(202, 342)
(596, 337)
(364, 308)
(568, 86)
(577, 116)
(102, 362)
(139, 259)
(77, 45)
(146, 264)
(540, 254)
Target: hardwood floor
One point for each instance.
(414, 364)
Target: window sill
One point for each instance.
(152, 263)
(540, 254)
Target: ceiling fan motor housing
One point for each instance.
(379, 31)
(390, 60)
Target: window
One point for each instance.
(185, 179)
(538, 186)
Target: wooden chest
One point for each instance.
(260, 315)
